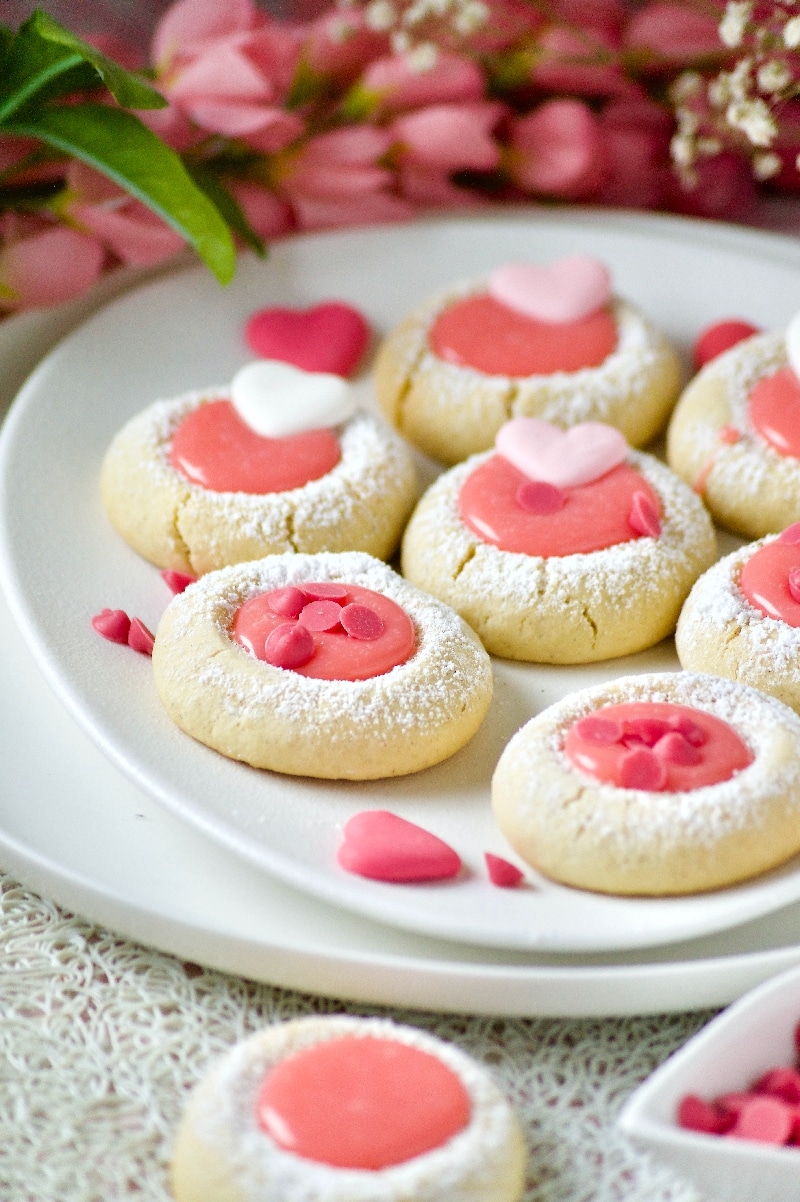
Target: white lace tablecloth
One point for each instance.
(101, 1040)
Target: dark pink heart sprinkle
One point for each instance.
(384, 847)
(330, 337)
(694, 1114)
(644, 518)
(674, 749)
(692, 732)
(324, 591)
(177, 582)
(112, 624)
(361, 622)
(793, 581)
(502, 872)
(782, 1083)
(289, 646)
(764, 1119)
(733, 1102)
(535, 496)
(649, 730)
(603, 732)
(790, 535)
(321, 615)
(641, 769)
(288, 601)
(140, 638)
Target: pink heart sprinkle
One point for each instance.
(140, 638)
(177, 582)
(782, 1083)
(384, 847)
(730, 435)
(764, 1119)
(330, 337)
(502, 872)
(644, 517)
(793, 582)
(647, 730)
(790, 535)
(692, 732)
(694, 1114)
(321, 615)
(603, 732)
(112, 624)
(559, 292)
(564, 458)
(289, 646)
(361, 622)
(674, 749)
(288, 601)
(324, 592)
(537, 497)
(641, 769)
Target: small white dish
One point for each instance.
(730, 1054)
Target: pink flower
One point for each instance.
(125, 226)
(396, 84)
(637, 136)
(191, 26)
(725, 190)
(558, 150)
(339, 44)
(335, 179)
(425, 187)
(672, 35)
(579, 62)
(48, 267)
(450, 137)
(606, 17)
(268, 215)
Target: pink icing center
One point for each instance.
(656, 746)
(362, 1103)
(774, 409)
(484, 334)
(385, 847)
(214, 448)
(770, 580)
(328, 639)
(492, 503)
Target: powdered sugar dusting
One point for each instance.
(669, 820)
(464, 1168)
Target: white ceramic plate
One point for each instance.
(61, 561)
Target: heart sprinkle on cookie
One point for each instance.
(277, 400)
(560, 292)
(562, 458)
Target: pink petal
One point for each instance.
(222, 73)
(339, 44)
(372, 209)
(606, 17)
(357, 144)
(428, 187)
(132, 232)
(278, 129)
(574, 61)
(399, 85)
(189, 24)
(266, 213)
(241, 120)
(337, 183)
(451, 137)
(673, 33)
(48, 268)
(558, 150)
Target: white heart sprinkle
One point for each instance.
(793, 344)
(276, 399)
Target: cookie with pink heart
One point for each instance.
(547, 340)
(560, 546)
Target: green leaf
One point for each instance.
(42, 58)
(230, 209)
(121, 147)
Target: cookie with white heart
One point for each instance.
(280, 460)
(735, 434)
(273, 1118)
(742, 618)
(654, 785)
(561, 546)
(327, 665)
(547, 341)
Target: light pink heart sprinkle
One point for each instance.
(140, 638)
(385, 847)
(644, 518)
(563, 458)
(502, 872)
(362, 623)
(559, 292)
(112, 624)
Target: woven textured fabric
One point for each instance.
(102, 1039)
